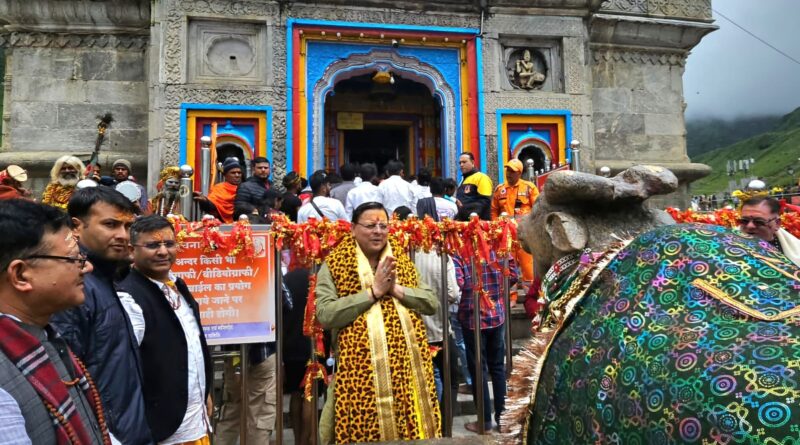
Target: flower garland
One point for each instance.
(238, 242)
(790, 221)
(309, 243)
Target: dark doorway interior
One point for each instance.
(535, 153)
(376, 144)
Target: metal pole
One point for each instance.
(447, 396)
(576, 154)
(477, 378)
(530, 164)
(314, 395)
(205, 164)
(507, 301)
(278, 347)
(187, 203)
(244, 407)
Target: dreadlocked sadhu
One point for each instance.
(64, 176)
(369, 293)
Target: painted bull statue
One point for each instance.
(682, 334)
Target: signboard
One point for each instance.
(236, 295)
(349, 121)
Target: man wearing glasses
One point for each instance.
(42, 272)
(761, 218)
(176, 364)
(99, 331)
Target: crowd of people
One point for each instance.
(102, 343)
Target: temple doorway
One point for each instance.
(381, 116)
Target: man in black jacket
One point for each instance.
(177, 367)
(99, 331)
(254, 189)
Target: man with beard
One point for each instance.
(254, 189)
(121, 172)
(64, 176)
(99, 330)
(220, 198)
(167, 200)
(475, 186)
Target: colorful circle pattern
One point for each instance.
(662, 361)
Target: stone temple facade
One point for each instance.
(317, 83)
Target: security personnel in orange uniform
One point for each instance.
(515, 197)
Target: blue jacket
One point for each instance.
(100, 334)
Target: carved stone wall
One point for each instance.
(683, 9)
(616, 65)
(59, 83)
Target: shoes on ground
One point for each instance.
(464, 389)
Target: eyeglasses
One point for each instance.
(371, 227)
(758, 222)
(80, 259)
(156, 244)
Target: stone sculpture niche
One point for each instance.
(526, 69)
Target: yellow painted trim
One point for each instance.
(191, 141)
(722, 296)
(465, 123)
(224, 114)
(301, 146)
(302, 143)
(261, 146)
(561, 126)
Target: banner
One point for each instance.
(236, 294)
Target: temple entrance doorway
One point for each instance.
(381, 116)
(377, 144)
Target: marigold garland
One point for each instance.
(238, 242)
(725, 217)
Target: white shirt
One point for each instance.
(445, 208)
(422, 191)
(429, 266)
(396, 192)
(195, 422)
(331, 209)
(135, 315)
(364, 192)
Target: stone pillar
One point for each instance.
(638, 52)
(68, 62)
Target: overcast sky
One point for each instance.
(729, 73)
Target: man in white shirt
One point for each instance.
(367, 191)
(321, 205)
(395, 191)
(176, 365)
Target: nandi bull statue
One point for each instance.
(683, 334)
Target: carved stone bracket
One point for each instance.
(63, 40)
(684, 9)
(606, 54)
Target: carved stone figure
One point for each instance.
(527, 75)
(683, 334)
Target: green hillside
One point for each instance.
(773, 152)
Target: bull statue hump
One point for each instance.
(660, 333)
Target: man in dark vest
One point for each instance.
(175, 361)
(42, 272)
(99, 331)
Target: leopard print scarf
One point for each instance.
(357, 404)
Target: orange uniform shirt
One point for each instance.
(516, 200)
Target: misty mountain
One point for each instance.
(704, 135)
(775, 152)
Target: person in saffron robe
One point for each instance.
(221, 197)
(369, 294)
